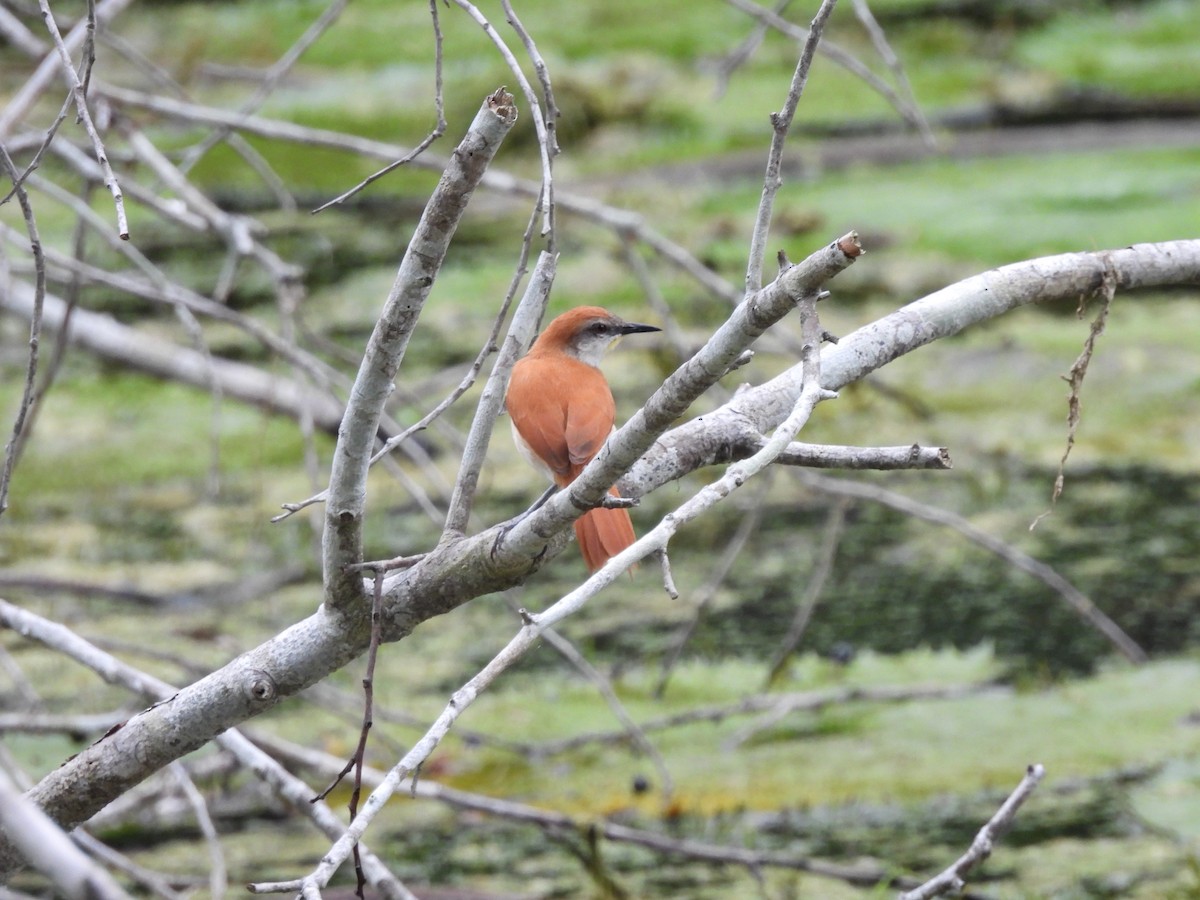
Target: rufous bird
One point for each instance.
(562, 412)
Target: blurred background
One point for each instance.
(141, 506)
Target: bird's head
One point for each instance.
(586, 332)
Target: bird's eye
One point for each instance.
(600, 328)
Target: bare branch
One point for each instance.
(274, 75)
(940, 314)
(551, 112)
(914, 114)
(439, 128)
(85, 116)
(36, 308)
(603, 685)
(776, 705)
(865, 874)
(59, 351)
(834, 528)
(1044, 573)
(520, 335)
(751, 519)
(23, 101)
(593, 210)
(107, 337)
(836, 55)
(835, 456)
(981, 848)
(51, 852)
(781, 123)
(344, 508)
(256, 687)
(737, 57)
(150, 880)
(218, 881)
(546, 146)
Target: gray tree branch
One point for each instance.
(1068, 276)
(346, 503)
(460, 570)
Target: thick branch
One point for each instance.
(1069, 276)
(106, 337)
(346, 503)
(460, 570)
(50, 850)
(748, 321)
(181, 721)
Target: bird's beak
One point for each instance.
(635, 328)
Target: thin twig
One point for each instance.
(551, 112)
(154, 882)
(571, 654)
(985, 841)
(835, 525)
(736, 58)
(1044, 573)
(521, 333)
(803, 701)
(835, 54)
(670, 326)
(40, 152)
(85, 116)
(705, 594)
(439, 127)
(866, 18)
(12, 446)
(157, 287)
(59, 352)
(781, 123)
(368, 683)
(1075, 377)
(546, 149)
(619, 220)
(243, 148)
(271, 79)
(19, 105)
(218, 880)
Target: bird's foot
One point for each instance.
(508, 526)
(612, 501)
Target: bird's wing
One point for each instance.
(563, 412)
(539, 416)
(589, 424)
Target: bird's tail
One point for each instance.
(603, 533)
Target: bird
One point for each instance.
(562, 411)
